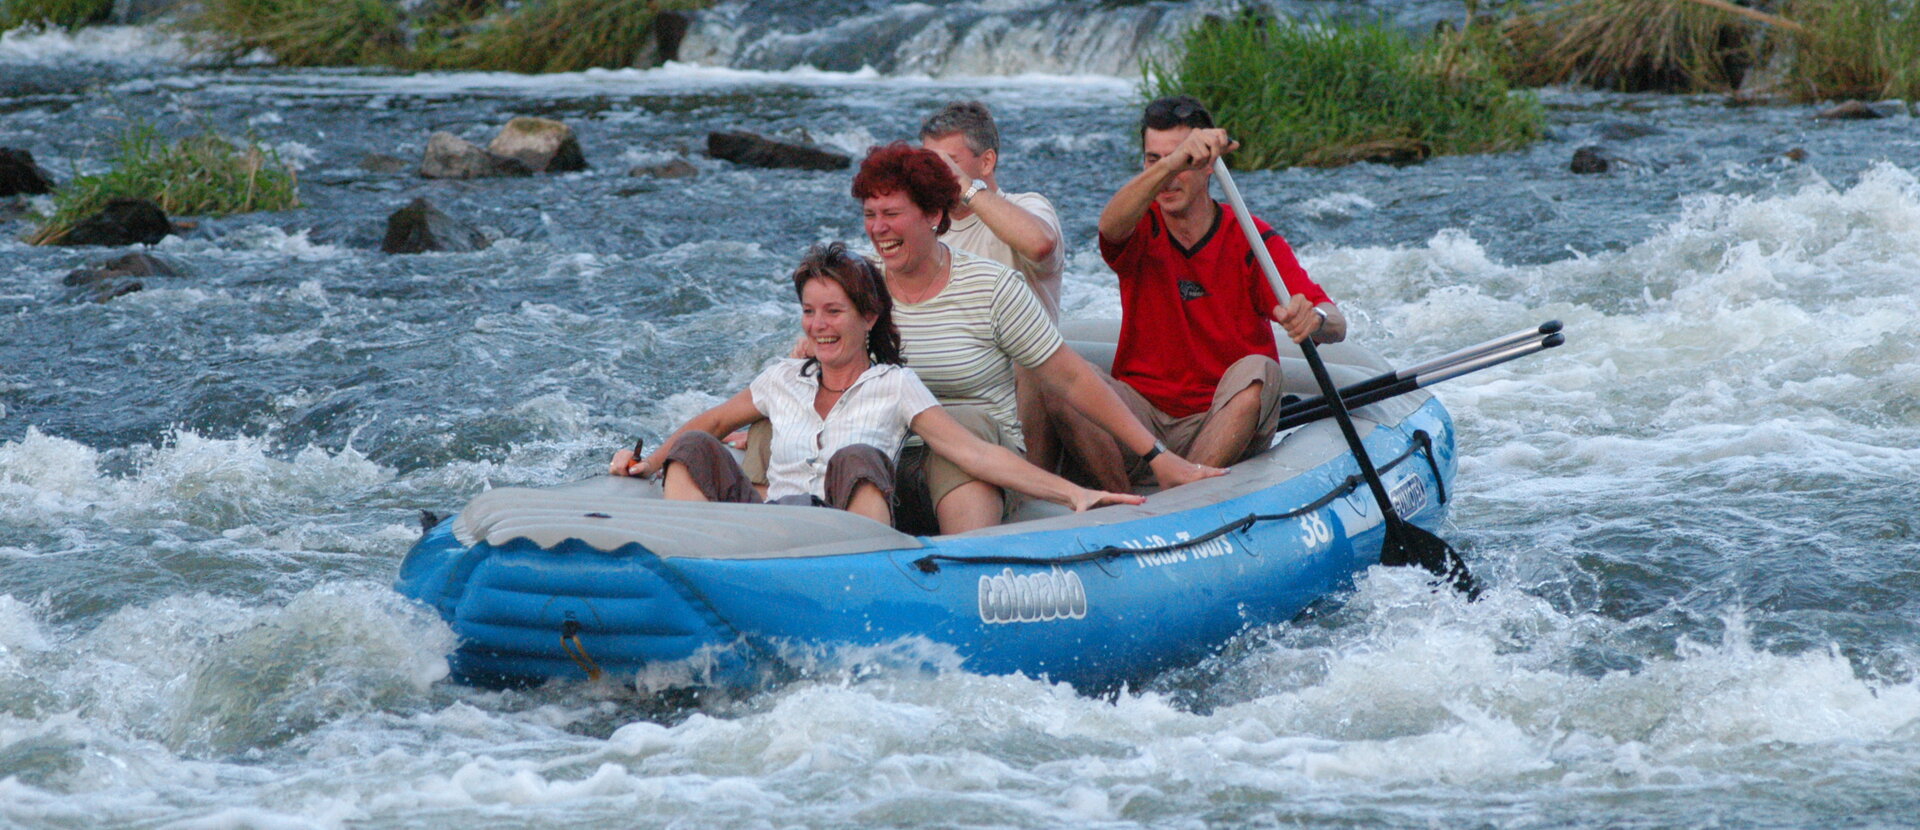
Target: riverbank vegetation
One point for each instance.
(70, 14)
(1866, 49)
(1331, 93)
(530, 36)
(1327, 92)
(1803, 50)
(204, 174)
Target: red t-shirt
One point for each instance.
(1186, 315)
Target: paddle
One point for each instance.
(1366, 392)
(1514, 344)
(1405, 543)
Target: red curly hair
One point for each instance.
(916, 171)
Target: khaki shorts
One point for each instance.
(1179, 433)
(926, 477)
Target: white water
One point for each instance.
(1694, 517)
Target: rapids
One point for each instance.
(1692, 518)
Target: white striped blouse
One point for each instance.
(876, 409)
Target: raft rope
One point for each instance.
(1422, 443)
(570, 643)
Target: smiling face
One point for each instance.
(835, 326)
(1185, 191)
(901, 233)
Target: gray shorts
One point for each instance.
(722, 479)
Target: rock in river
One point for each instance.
(542, 144)
(420, 227)
(759, 151)
(121, 222)
(19, 175)
(449, 156)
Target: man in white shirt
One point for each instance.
(1020, 231)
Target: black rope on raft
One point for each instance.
(1421, 443)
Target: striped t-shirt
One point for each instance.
(964, 341)
(877, 409)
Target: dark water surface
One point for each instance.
(1695, 517)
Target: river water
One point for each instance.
(1692, 519)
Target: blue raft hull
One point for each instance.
(736, 621)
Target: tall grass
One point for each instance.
(1631, 45)
(68, 13)
(531, 36)
(560, 36)
(202, 174)
(304, 32)
(1853, 49)
(1325, 94)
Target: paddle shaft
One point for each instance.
(1313, 409)
(1499, 344)
(1307, 348)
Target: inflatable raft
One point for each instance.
(604, 574)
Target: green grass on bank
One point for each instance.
(531, 36)
(1325, 94)
(1866, 49)
(1631, 45)
(71, 14)
(204, 174)
(304, 32)
(559, 36)
(1808, 50)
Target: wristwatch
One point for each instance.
(978, 185)
(1154, 453)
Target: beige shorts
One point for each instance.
(1179, 433)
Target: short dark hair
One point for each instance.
(1175, 111)
(865, 287)
(968, 118)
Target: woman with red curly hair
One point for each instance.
(965, 322)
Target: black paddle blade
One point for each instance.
(1409, 544)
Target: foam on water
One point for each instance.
(215, 483)
(93, 44)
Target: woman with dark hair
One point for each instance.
(965, 322)
(840, 416)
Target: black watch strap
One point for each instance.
(1154, 453)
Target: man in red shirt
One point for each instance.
(1197, 360)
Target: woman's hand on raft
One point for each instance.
(624, 464)
(1088, 499)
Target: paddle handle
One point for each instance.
(1331, 393)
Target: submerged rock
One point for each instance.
(1588, 160)
(121, 222)
(1627, 130)
(760, 151)
(20, 176)
(449, 156)
(420, 227)
(1850, 111)
(542, 144)
(1796, 154)
(383, 163)
(103, 281)
(675, 169)
(135, 264)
